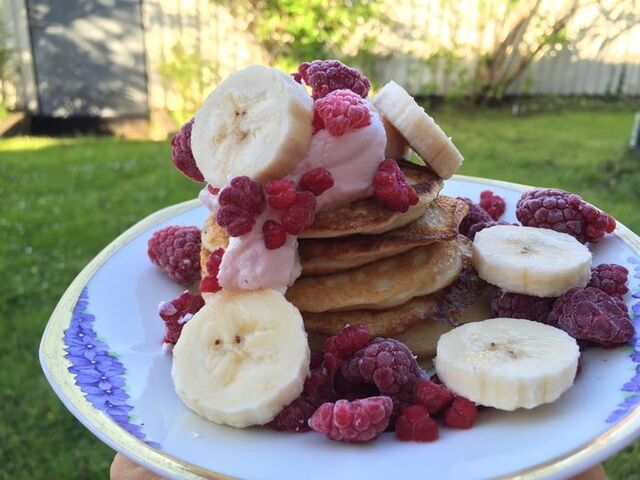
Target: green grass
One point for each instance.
(63, 200)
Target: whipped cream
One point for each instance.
(248, 265)
(352, 159)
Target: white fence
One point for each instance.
(208, 30)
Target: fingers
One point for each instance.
(594, 473)
(124, 469)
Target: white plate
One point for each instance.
(109, 371)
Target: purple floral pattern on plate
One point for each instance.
(98, 373)
(632, 387)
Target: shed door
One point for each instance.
(89, 57)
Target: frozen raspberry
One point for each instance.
(240, 203)
(325, 76)
(591, 315)
(610, 278)
(318, 389)
(493, 204)
(281, 193)
(385, 362)
(177, 312)
(391, 189)
(479, 226)
(344, 344)
(339, 112)
(476, 214)
(415, 424)
(357, 421)
(462, 413)
(300, 215)
(274, 234)
(564, 212)
(434, 396)
(316, 181)
(181, 153)
(213, 190)
(210, 283)
(176, 250)
(516, 305)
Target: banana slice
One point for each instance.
(507, 363)
(531, 261)
(257, 122)
(241, 358)
(421, 131)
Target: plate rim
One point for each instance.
(54, 365)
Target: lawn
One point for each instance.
(63, 200)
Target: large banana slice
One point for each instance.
(241, 358)
(507, 363)
(256, 123)
(421, 131)
(532, 261)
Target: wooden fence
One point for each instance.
(207, 30)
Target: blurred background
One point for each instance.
(539, 92)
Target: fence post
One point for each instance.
(634, 142)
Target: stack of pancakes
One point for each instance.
(404, 275)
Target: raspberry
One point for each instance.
(181, 153)
(281, 193)
(391, 188)
(316, 181)
(339, 112)
(479, 226)
(493, 204)
(315, 360)
(385, 362)
(213, 190)
(434, 396)
(318, 389)
(591, 315)
(610, 278)
(210, 281)
(344, 344)
(300, 215)
(177, 312)
(564, 212)
(516, 305)
(462, 413)
(415, 424)
(240, 203)
(274, 234)
(176, 250)
(357, 421)
(325, 76)
(476, 214)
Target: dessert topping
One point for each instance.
(391, 188)
(240, 203)
(339, 112)
(325, 76)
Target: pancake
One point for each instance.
(385, 283)
(368, 217)
(393, 321)
(213, 236)
(440, 222)
(467, 300)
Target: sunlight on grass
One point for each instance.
(21, 144)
